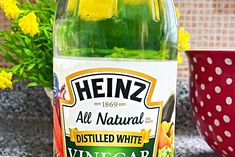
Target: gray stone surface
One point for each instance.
(24, 103)
(26, 126)
(31, 138)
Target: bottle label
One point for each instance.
(112, 108)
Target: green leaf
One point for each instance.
(46, 33)
(16, 80)
(15, 69)
(10, 58)
(22, 71)
(41, 77)
(31, 66)
(40, 65)
(1, 33)
(27, 40)
(28, 52)
(32, 84)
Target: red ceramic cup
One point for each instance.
(212, 93)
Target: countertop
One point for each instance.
(26, 125)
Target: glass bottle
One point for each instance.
(115, 78)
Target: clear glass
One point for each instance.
(137, 29)
(141, 30)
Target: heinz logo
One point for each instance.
(111, 83)
(111, 87)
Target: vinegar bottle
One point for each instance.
(115, 75)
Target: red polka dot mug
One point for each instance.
(212, 94)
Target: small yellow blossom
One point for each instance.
(180, 58)
(10, 8)
(5, 80)
(184, 40)
(177, 13)
(29, 24)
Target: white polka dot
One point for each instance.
(194, 59)
(203, 118)
(219, 138)
(218, 70)
(203, 69)
(230, 148)
(228, 61)
(192, 68)
(216, 122)
(209, 60)
(208, 96)
(203, 86)
(198, 123)
(227, 133)
(218, 108)
(210, 79)
(228, 100)
(192, 84)
(206, 133)
(217, 89)
(210, 128)
(196, 109)
(226, 119)
(212, 147)
(215, 143)
(201, 103)
(229, 81)
(224, 152)
(196, 76)
(193, 100)
(196, 93)
(198, 129)
(209, 114)
(194, 114)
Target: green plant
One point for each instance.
(28, 43)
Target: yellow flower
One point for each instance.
(10, 8)
(29, 24)
(180, 58)
(177, 13)
(5, 80)
(184, 40)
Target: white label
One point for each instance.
(112, 103)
